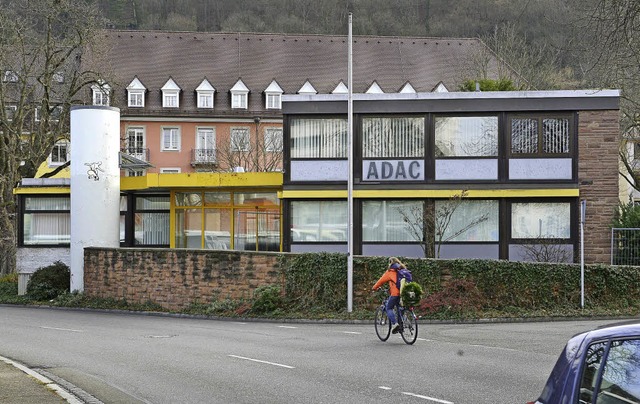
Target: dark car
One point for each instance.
(599, 367)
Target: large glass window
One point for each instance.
(535, 220)
(393, 137)
(318, 138)
(228, 220)
(47, 220)
(313, 221)
(468, 220)
(470, 136)
(151, 220)
(540, 135)
(385, 220)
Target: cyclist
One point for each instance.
(390, 276)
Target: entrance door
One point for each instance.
(257, 230)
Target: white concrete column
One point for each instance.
(95, 184)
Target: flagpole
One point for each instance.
(350, 181)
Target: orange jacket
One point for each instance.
(390, 276)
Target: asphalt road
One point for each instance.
(136, 358)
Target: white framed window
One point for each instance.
(170, 99)
(101, 94)
(205, 92)
(136, 143)
(170, 139)
(274, 101)
(170, 94)
(205, 151)
(239, 95)
(170, 170)
(239, 101)
(240, 140)
(135, 93)
(10, 76)
(59, 153)
(273, 139)
(205, 100)
(136, 98)
(273, 96)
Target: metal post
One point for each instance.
(583, 207)
(350, 180)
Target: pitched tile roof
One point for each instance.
(258, 59)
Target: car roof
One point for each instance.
(614, 330)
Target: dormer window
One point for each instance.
(135, 94)
(374, 88)
(273, 96)
(205, 93)
(341, 88)
(239, 96)
(101, 93)
(307, 88)
(170, 94)
(10, 76)
(407, 89)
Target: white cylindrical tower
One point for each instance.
(95, 184)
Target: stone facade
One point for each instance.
(598, 163)
(176, 278)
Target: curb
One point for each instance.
(48, 383)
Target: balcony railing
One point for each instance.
(137, 152)
(203, 156)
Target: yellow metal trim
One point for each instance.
(41, 190)
(201, 180)
(434, 193)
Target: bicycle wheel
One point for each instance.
(383, 326)
(409, 327)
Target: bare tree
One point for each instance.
(42, 46)
(610, 58)
(258, 151)
(544, 249)
(431, 223)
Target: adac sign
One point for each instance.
(392, 170)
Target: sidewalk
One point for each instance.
(21, 385)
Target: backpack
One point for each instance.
(403, 276)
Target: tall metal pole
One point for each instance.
(583, 209)
(350, 181)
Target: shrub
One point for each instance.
(267, 299)
(49, 282)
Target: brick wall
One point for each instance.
(175, 278)
(598, 164)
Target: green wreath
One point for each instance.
(411, 294)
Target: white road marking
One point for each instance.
(61, 329)
(384, 387)
(427, 398)
(424, 339)
(259, 361)
(286, 326)
(352, 332)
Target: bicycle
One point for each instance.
(407, 321)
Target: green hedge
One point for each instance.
(462, 287)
